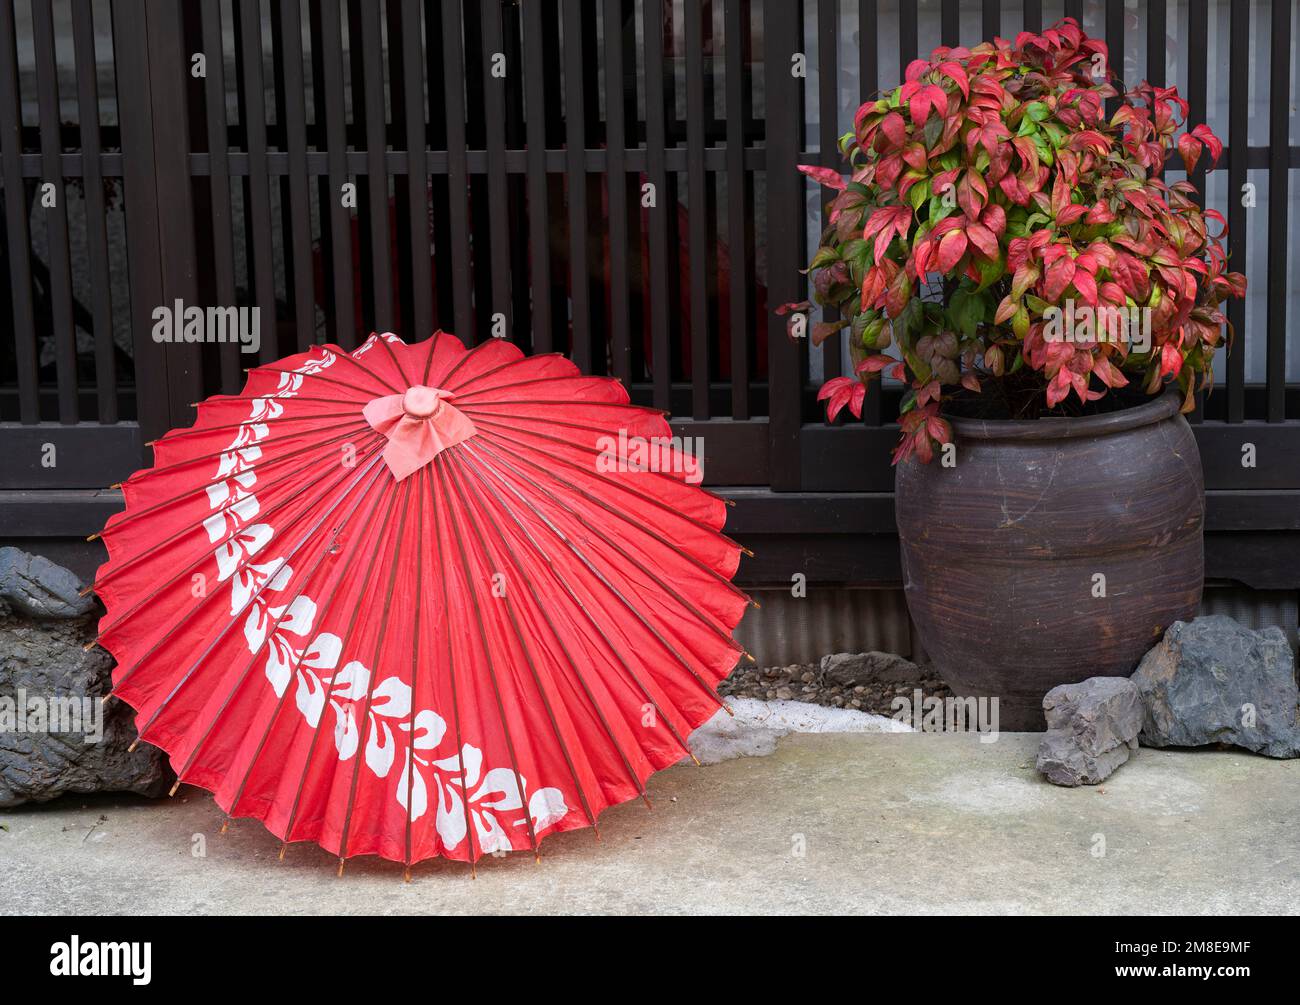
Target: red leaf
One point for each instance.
(894, 128)
(957, 74)
(842, 391)
(1189, 148)
(983, 238)
(951, 247)
(826, 176)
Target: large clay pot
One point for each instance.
(1003, 551)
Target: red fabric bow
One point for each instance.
(419, 424)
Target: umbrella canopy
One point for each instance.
(420, 601)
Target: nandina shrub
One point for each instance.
(987, 194)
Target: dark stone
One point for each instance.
(43, 664)
(37, 587)
(1092, 727)
(1205, 680)
(853, 669)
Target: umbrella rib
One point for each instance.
(569, 401)
(433, 348)
(266, 368)
(523, 645)
(177, 434)
(380, 637)
(541, 607)
(511, 363)
(462, 361)
(703, 618)
(548, 380)
(207, 598)
(127, 518)
(293, 670)
(619, 484)
(228, 399)
(112, 573)
(496, 689)
(343, 645)
(451, 665)
(401, 370)
(415, 673)
(369, 373)
(189, 761)
(578, 553)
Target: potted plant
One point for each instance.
(1006, 247)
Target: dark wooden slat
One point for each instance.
(59, 289)
(907, 36)
(739, 201)
(340, 217)
(787, 362)
(421, 326)
(698, 209)
(453, 80)
(991, 20)
(616, 188)
(304, 293)
(381, 258)
(538, 214)
(1157, 32)
(101, 309)
(1034, 15)
(576, 188)
(494, 106)
(1198, 41)
(656, 175)
(16, 221)
(950, 23)
(1238, 123)
(257, 213)
(1074, 9)
(869, 74)
(88, 455)
(1115, 45)
(223, 246)
(1278, 198)
(828, 108)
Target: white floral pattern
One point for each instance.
(297, 654)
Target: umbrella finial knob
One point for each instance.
(420, 402)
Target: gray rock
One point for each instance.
(1092, 728)
(1215, 681)
(36, 586)
(852, 669)
(41, 662)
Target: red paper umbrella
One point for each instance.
(416, 601)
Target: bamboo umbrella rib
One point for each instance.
(204, 557)
(487, 656)
(699, 615)
(380, 636)
(451, 656)
(207, 598)
(369, 373)
(545, 380)
(523, 645)
(433, 348)
(538, 596)
(520, 361)
(581, 556)
(329, 692)
(179, 434)
(396, 362)
(267, 368)
(348, 561)
(320, 559)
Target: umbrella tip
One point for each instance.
(749, 656)
(174, 787)
(284, 846)
(88, 646)
(692, 753)
(757, 605)
(115, 485)
(340, 872)
(134, 743)
(729, 711)
(83, 591)
(225, 825)
(104, 700)
(94, 537)
(537, 857)
(406, 875)
(648, 805)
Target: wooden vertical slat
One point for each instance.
(1034, 15)
(1115, 47)
(417, 168)
(991, 20)
(787, 362)
(16, 221)
(950, 23)
(381, 257)
(257, 213)
(295, 128)
(340, 217)
(494, 106)
(1157, 31)
(907, 36)
(1279, 168)
(657, 177)
(59, 283)
(575, 142)
(698, 208)
(539, 237)
(223, 247)
(101, 308)
(1074, 9)
(1197, 41)
(869, 78)
(616, 187)
(1238, 138)
(457, 173)
(828, 112)
(739, 200)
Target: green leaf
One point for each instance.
(990, 271)
(919, 193)
(967, 310)
(826, 255)
(1037, 111)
